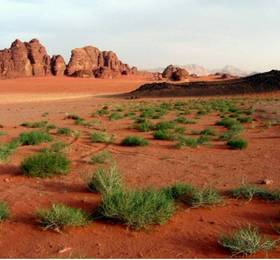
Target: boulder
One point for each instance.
(175, 73)
(58, 65)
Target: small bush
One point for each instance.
(64, 131)
(249, 192)
(237, 143)
(60, 216)
(45, 164)
(101, 137)
(165, 125)
(227, 122)
(246, 119)
(246, 241)
(138, 209)
(101, 157)
(183, 120)
(203, 197)
(39, 124)
(8, 149)
(106, 181)
(2, 133)
(178, 190)
(183, 141)
(116, 116)
(34, 138)
(164, 134)
(134, 141)
(229, 135)
(144, 125)
(208, 131)
(4, 211)
(58, 147)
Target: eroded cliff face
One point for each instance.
(26, 59)
(90, 61)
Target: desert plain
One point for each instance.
(192, 231)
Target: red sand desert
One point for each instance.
(190, 233)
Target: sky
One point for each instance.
(152, 33)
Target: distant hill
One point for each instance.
(258, 83)
(202, 71)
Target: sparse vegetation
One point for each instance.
(38, 124)
(246, 241)
(101, 137)
(178, 190)
(101, 157)
(4, 211)
(60, 216)
(237, 143)
(34, 138)
(64, 131)
(249, 192)
(116, 116)
(138, 208)
(6, 150)
(106, 181)
(134, 141)
(45, 164)
(203, 197)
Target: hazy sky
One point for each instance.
(152, 33)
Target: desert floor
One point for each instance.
(190, 232)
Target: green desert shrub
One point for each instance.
(34, 138)
(2, 133)
(106, 181)
(165, 125)
(45, 164)
(246, 241)
(246, 119)
(237, 144)
(60, 216)
(208, 131)
(6, 150)
(143, 125)
(164, 134)
(39, 124)
(178, 190)
(137, 208)
(246, 191)
(116, 116)
(4, 211)
(183, 141)
(64, 131)
(134, 141)
(203, 197)
(101, 157)
(101, 137)
(229, 135)
(228, 122)
(183, 120)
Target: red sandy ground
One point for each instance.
(190, 232)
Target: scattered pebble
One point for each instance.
(266, 182)
(64, 250)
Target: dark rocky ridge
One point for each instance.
(258, 83)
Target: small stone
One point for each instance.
(266, 182)
(64, 250)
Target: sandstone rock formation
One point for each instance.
(58, 65)
(105, 64)
(24, 59)
(175, 73)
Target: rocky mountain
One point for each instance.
(231, 70)
(202, 71)
(25, 59)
